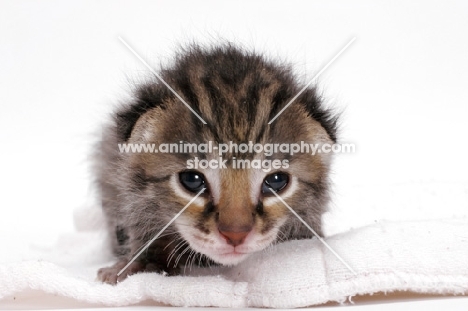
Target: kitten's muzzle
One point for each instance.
(235, 222)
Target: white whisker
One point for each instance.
(179, 245)
(180, 255)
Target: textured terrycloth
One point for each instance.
(418, 256)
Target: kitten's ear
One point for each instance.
(326, 117)
(146, 97)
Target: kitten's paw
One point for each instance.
(109, 274)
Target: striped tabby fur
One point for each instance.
(236, 92)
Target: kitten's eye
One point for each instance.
(275, 181)
(192, 181)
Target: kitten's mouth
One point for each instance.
(234, 252)
(230, 258)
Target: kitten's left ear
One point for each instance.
(326, 117)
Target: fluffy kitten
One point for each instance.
(236, 93)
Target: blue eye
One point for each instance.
(192, 181)
(275, 181)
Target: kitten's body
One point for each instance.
(236, 93)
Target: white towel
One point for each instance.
(420, 256)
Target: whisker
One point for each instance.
(174, 251)
(187, 260)
(193, 260)
(200, 259)
(177, 239)
(181, 254)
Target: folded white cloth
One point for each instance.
(418, 256)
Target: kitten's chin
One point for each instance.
(225, 255)
(229, 259)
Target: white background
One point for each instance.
(401, 86)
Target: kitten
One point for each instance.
(237, 93)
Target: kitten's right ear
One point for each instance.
(146, 97)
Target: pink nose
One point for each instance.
(234, 238)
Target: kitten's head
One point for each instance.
(237, 94)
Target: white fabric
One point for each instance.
(419, 256)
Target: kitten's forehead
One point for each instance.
(235, 91)
(294, 125)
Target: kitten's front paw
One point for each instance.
(109, 274)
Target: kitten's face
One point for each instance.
(237, 214)
(237, 95)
